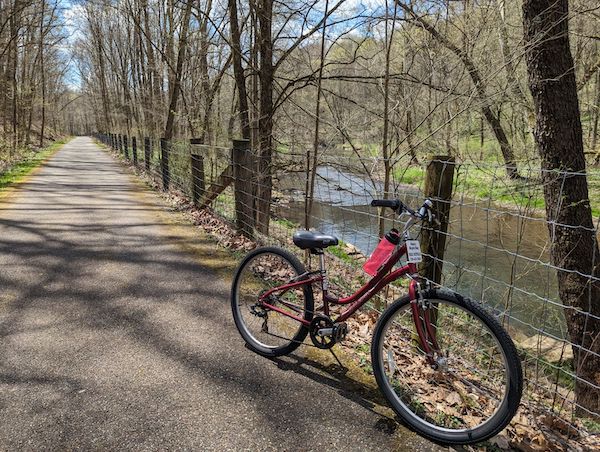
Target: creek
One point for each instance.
(494, 254)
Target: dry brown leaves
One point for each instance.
(208, 221)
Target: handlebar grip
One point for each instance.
(393, 204)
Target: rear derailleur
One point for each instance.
(324, 333)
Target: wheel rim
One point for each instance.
(268, 328)
(466, 396)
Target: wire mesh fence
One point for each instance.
(496, 249)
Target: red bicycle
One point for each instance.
(444, 363)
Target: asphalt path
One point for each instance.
(113, 336)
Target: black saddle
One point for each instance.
(313, 240)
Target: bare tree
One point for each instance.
(559, 138)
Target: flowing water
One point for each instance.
(493, 254)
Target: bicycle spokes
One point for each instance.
(456, 385)
(262, 307)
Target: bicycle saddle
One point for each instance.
(313, 240)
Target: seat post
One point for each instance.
(322, 263)
(325, 281)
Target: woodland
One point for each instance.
(375, 86)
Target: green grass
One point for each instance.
(338, 251)
(21, 169)
(591, 425)
(285, 223)
(411, 175)
(490, 182)
(482, 176)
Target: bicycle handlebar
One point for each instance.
(394, 204)
(398, 206)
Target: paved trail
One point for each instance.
(114, 337)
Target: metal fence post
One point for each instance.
(242, 174)
(165, 147)
(147, 153)
(198, 181)
(134, 150)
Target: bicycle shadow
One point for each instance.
(347, 379)
(352, 382)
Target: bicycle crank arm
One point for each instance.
(325, 332)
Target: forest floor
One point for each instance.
(117, 332)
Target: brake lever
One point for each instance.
(425, 211)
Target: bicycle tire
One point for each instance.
(419, 406)
(273, 266)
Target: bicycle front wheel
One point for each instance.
(475, 389)
(267, 331)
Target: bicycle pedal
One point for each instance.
(340, 331)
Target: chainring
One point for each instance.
(317, 325)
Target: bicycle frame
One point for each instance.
(382, 278)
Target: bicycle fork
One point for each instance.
(425, 326)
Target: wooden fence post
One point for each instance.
(165, 147)
(198, 181)
(439, 180)
(126, 147)
(242, 173)
(120, 143)
(147, 153)
(134, 150)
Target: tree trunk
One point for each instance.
(313, 161)
(168, 135)
(265, 123)
(385, 151)
(596, 117)
(97, 36)
(154, 88)
(238, 70)
(43, 75)
(13, 55)
(204, 76)
(559, 139)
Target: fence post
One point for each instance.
(165, 147)
(242, 173)
(439, 179)
(198, 182)
(120, 143)
(147, 153)
(134, 150)
(126, 147)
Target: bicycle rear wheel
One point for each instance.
(476, 391)
(267, 331)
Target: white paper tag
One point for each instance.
(413, 251)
